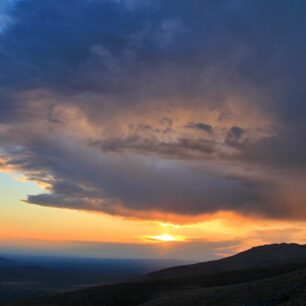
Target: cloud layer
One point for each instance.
(146, 108)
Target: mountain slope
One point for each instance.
(287, 289)
(267, 275)
(255, 258)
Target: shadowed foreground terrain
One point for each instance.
(266, 275)
(25, 277)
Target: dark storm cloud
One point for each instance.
(86, 45)
(79, 45)
(133, 57)
(138, 49)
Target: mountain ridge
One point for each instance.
(280, 280)
(261, 256)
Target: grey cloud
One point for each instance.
(234, 136)
(284, 151)
(200, 126)
(123, 184)
(181, 148)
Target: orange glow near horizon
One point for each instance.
(25, 224)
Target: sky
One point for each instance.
(151, 128)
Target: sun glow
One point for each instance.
(167, 238)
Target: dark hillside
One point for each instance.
(267, 275)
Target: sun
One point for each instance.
(167, 238)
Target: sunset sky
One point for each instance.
(151, 128)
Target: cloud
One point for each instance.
(200, 126)
(133, 107)
(181, 148)
(115, 183)
(234, 135)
